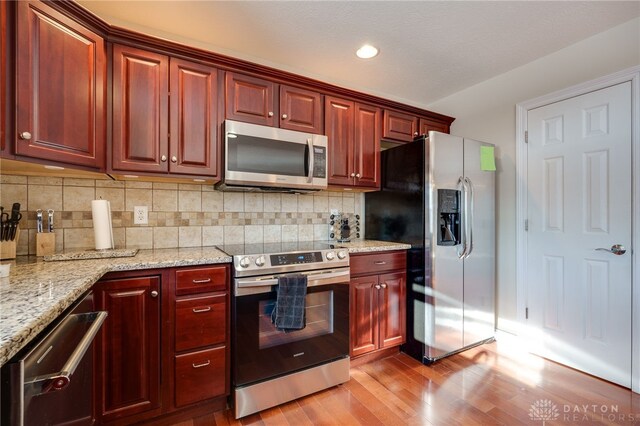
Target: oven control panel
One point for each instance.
(295, 258)
(291, 261)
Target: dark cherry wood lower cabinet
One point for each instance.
(163, 352)
(378, 301)
(128, 347)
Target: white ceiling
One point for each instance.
(428, 49)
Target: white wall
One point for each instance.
(486, 111)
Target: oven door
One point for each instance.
(262, 352)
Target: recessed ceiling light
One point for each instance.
(367, 51)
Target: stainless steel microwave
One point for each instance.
(271, 159)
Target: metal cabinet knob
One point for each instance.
(25, 135)
(154, 293)
(617, 249)
(285, 116)
(353, 174)
(377, 286)
(415, 133)
(357, 175)
(163, 158)
(174, 159)
(270, 114)
(383, 285)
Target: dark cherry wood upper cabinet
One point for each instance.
(140, 110)
(61, 88)
(300, 109)
(367, 146)
(339, 128)
(193, 141)
(128, 347)
(250, 99)
(5, 79)
(399, 126)
(426, 125)
(392, 309)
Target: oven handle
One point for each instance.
(313, 279)
(61, 380)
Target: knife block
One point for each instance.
(45, 243)
(8, 248)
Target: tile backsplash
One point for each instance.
(180, 215)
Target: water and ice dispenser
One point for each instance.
(449, 217)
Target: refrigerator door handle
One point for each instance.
(469, 218)
(463, 237)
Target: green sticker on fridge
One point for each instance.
(487, 159)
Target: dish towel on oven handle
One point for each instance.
(288, 313)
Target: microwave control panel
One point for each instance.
(319, 162)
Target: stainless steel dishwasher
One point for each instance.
(51, 381)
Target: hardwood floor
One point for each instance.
(488, 385)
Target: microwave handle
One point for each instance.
(310, 160)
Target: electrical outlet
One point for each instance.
(140, 215)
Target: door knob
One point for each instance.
(25, 136)
(163, 158)
(617, 249)
(284, 116)
(154, 293)
(270, 114)
(174, 159)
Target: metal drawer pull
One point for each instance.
(204, 364)
(380, 262)
(197, 311)
(207, 280)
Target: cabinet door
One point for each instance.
(6, 103)
(140, 110)
(399, 126)
(193, 141)
(61, 88)
(391, 309)
(128, 351)
(426, 125)
(367, 146)
(339, 120)
(300, 109)
(364, 315)
(250, 99)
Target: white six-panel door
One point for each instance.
(579, 199)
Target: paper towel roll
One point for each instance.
(102, 230)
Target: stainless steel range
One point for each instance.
(271, 366)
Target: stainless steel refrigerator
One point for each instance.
(438, 194)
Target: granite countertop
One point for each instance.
(37, 292)
(366, 246)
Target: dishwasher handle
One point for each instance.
(61, 379)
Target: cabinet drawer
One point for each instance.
(201, 321)
(201, 280)
(200, 375)
(378, 262)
